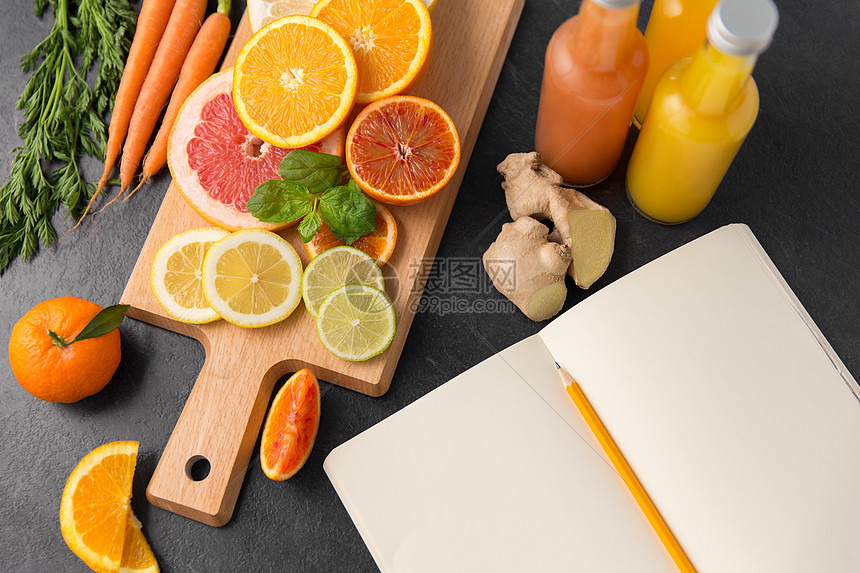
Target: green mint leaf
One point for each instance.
(102, 323)
(348, 212)
(280, 201)
(316, 171)
(309, 226)
(345, 240)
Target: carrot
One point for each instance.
(202, 58)
(185, 21)
(154, 15)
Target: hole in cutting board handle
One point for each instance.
(197, 468)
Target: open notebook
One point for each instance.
(726, 400)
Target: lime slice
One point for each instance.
(356, 322)
(335, 268)
(252, 278)
(176, 275)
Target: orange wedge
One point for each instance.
(391, 40)
(294, 81)
(95, 512)
(379, 244)
(137, 557)
(291, 426)
(402, 149)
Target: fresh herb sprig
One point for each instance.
(62, 118)
(311, 190)
(105, 321)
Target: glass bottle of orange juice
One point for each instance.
(595, 65)
(676, 29)
(702, 110)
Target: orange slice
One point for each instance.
(291, 426)
(379, 244)
(294, 81)
(95, 512)
(402, 149)
(391, 40)
(217, 163)
(137, 556)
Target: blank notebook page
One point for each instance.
(731, 408)
(482, 474)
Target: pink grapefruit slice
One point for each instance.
(217, 163)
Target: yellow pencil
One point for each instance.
(623, 469)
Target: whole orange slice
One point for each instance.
(294, 81)
(379, 244)
(391, 40)
(217, 163)
(95, 512)
(291, 426)
(402, 149)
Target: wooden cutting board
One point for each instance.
(223, 414)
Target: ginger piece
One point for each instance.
(529, 269)
(532, 189)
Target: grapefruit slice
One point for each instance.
(402, 149)
(291, 426)
(379, 244)
(217, 163)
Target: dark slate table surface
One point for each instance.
(795, 182)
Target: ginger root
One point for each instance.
(534, 190)
(529, 269)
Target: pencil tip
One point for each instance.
(557, 366)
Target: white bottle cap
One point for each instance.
(742, 27)
(616, 3)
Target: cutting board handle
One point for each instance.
(217, 431)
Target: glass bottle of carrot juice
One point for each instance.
(595, 65)
(702, 110)
(676, 29)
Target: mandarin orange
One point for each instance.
(48, 365)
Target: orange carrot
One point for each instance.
(202, 58)
(185, 21)
(154, 15)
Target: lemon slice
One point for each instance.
(335, 268)
(356, 322)
(252, 278)
(176, 275)
(261, 12)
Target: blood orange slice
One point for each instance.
(402, 149)
(217, 163)
(291, 426)
(379, 244)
